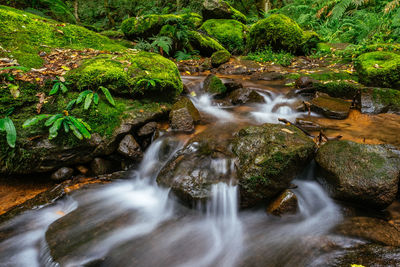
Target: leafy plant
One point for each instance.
(162, 44)
(7, 125)
(59, 84)
(148, 82)
(186, 55)
(62, 120)
(88, 97)
(283, 58)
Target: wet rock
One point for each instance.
(379, 100)
(220, 57)
(330, 107)
(285, 203)
(232, 85)
(241, 67)
(148, 129)
(63, 173)
(219, 9)
(181, 120)
(304, 82)
(360, 173)
(308, 125)
(268, 76)
(129, 148)
(268, 159)
(245, 95)
(204, 161)
(372, 229)
(213, 85)
(185, 102)
(82, 169)
(101, 166)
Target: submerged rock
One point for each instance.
(331, 107)
(63, 173)
(245, 95)
(360, 173)
(285, 203)
(269, 158)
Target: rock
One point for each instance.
(268, 76)
(280, 33)
(205, 160)
(372, 229)
(379, 69)
(285, 203)
(82, 170)
(129, 148)
(101, 166)
(359, 173)
(63, 173)
(204, 44)
(185, 102)
(232, 85)
(126, 79)
(229, 33)
(304, 82)
(213, 85)
(241, 67)
(220, 9)
(220, 57)
(148, 129)
(330, 107)
(378, 100)
(181, 120)
(342, 89)
(245, 95)
(269, 158)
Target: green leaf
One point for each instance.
(85, 124)
(96, 98)
(88, 101)
(54, 129)
(70, 104)
(75, 131)
(81, 128)
(64, 89)
(108, 95)
(55, 88)
(11, 132)
(32, 121)
(152, 83)
(82, 96)
(66, 127)
(2, 127)
(52, 119)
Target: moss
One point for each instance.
(214, 85)
(379, 69)
(121, 74)
(278, 32)
(230, 33)
(220, 57)
(324, 48)
(310, 41)
(221, 9)
(204, 44)
(25, 35)
(185, 102)
(338, 89)
(389, 97)
(113, 34)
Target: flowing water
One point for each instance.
(134, 222)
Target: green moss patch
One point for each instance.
(204, 44)
(379, 69)
(220, 57)
(230, 33)
(25, 35)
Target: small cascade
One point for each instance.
(205, 104)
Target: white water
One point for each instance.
(133, 222)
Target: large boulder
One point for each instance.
(245, 95)
(269, 158)
(379, 100)
(379, 69)
(220, 57)
(220, 9)
(203, 43)
(230, 33)
(359, 173)
(280, 33)
(150, 25)
(32, 34)
(213, 85)
(129, 75)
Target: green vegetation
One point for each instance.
(268, 55)
(220, 57)
(7, 126)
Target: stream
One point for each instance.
(134, 222)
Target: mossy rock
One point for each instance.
(330, 107)
(278, 32)
(360, 173)
(379, 100)
(129, 75)
(379, 69)
(340, 89)
(230, 33)
(213, 85)
(150, 25)
(220, 9)
(204, 44)
(185, 102)
(310, 41)
(220, 57)
(23, 35)
(269, 158)
(113, 34)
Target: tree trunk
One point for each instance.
(76, 8)
(110, 18)
(263, 6)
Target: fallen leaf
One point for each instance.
(287, 131)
